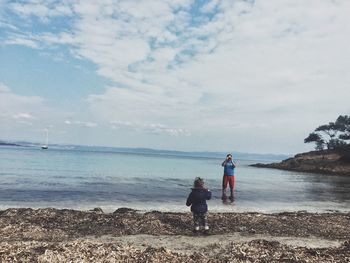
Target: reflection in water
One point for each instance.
(329, 187)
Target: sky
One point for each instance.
(192, 75)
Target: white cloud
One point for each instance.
(256, 68)
(19, 113)
(23, 115)
(86, 124)
(155, 128)
(17, 106)
(61, 38)
(6, 25)
(4, 88)
(210, 6)
(22, 41)
(42, 9)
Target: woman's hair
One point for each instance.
(198, 182)
(229, 155)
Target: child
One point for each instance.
(197, 200)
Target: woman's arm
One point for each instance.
(233, 163)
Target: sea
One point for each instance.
(77, 177)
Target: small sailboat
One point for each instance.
(46, 145)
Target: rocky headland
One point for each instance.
(332, 162)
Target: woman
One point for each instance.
(229, 176)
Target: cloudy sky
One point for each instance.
(216, 75)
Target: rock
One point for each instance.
(321, 162)
(97, 210)
(124, 210)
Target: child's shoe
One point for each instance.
(206, 230)
(196, 229)
(231, 198)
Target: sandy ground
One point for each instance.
(189, 244)
(52, 235)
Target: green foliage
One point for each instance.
(316, 138)
(332, 135)
(344, 123)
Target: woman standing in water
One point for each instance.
(229, 177)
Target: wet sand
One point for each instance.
(52, 235)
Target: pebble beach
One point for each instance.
(127, 235)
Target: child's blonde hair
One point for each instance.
(198, 182)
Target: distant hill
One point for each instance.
(148, 151)
(8, 144)
(219, 155)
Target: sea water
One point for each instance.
(90, 177)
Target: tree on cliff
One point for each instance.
(332, 135)
(344, 123)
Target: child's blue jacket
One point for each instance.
(197, 199)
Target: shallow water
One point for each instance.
(84, 179)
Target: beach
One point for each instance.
(120, 118)
(47, 200)
(127, 235)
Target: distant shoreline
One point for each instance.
(9, 144)
(151, 152)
